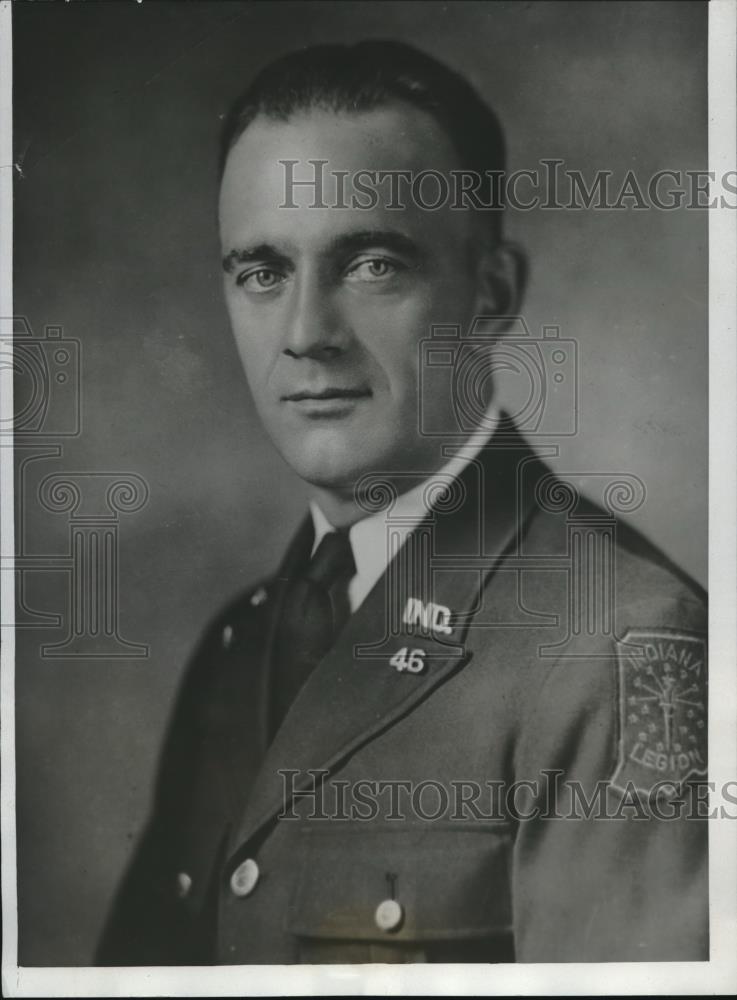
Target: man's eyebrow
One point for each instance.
(349, 243)
(247, 255)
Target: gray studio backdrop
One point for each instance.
(118, 107)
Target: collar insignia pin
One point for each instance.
(431, 617)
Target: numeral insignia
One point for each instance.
(411, 660)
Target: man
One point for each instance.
(464, 720)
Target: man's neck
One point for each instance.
(341, 511)
(341, 507)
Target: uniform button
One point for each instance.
(244, 878)
(184, 884)
(258, 598)
(389, 915)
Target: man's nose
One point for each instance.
(315, 328)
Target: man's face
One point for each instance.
(329, 305)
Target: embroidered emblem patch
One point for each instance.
(662, 709)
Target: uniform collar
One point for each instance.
(427, 601)
(368, 536)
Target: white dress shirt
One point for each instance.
(368, 536)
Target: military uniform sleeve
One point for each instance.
(605, 868)
(147, 923)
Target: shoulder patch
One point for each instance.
(662, 682)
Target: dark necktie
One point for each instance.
(315, 609)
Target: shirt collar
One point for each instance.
(368, 536)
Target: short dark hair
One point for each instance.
(368, 75)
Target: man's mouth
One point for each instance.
(329, 393)
(332, 402)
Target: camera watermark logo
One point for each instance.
(47, 383)
(464, 367)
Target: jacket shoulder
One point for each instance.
(246, 611)
(609, 552)
(650, 584)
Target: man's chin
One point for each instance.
(335, 474)
(337, 463)
(330, 463)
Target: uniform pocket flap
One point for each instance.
(403, 884)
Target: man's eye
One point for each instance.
(263, 279)
(374, 269)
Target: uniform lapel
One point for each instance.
(294, 562)
(356, 692)
(241, 727)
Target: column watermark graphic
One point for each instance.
(47, 373)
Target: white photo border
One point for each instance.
(717, 975)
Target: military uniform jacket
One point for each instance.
(498, 759)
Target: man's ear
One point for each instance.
(501, 282)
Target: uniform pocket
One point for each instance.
(402, 884)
